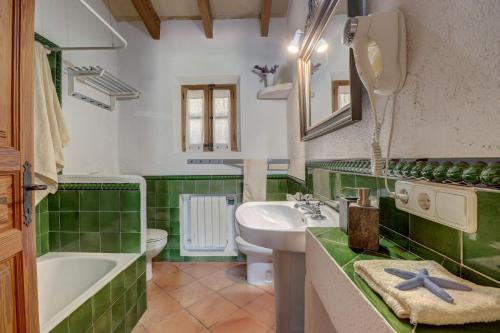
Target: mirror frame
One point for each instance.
(347, 115)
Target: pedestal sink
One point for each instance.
(281, 227)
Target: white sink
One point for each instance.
(278, 225)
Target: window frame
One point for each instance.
(208, 141)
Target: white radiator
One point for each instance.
(207, 225)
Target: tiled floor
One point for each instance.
(206, 297)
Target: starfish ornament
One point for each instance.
(422, 279)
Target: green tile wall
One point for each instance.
(116, 308)
(90, 218)
(42, 227)
(473, 256)
(163, 204)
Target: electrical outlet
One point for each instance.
(451, 205)
(423, 201)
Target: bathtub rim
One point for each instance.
(123, 260)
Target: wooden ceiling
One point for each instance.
(152, 12)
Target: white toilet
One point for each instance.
(156, 242)
(259, 262)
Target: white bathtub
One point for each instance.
(67, 280)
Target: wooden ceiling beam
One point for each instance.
(206, 18)
(149, 17)
(265, 17)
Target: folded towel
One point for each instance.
(482, 304)
(254, 180)
(51, 134)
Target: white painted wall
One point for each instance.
(449, 106)
(149, 128)
(94, 136)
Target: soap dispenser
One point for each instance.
(363, 226)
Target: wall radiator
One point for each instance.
(207, 225)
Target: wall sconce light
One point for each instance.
(322, 46)
(294, 45)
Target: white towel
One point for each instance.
(482, 304)
(51, 134)
(254, 180)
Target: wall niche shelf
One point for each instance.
(278, 91)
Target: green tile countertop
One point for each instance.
(334, 241)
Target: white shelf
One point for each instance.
(278, 91)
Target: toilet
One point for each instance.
(259, 262)
(156, 242)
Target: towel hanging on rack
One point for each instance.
(51, 134)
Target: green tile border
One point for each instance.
(481, 173)
(119, 304)
(456, 250)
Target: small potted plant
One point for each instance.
(266, 74)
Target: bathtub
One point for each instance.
(67, 280)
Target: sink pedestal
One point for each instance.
(289, 278)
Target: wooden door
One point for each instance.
(18, 292)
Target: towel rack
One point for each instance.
(94, 48)
(272, 164)
(104, 82)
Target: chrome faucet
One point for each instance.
(310, 208)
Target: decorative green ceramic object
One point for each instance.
(399, 167)
(439, 173)
(406, 171)
(366, 166)
(472, 173)
(427, 171)
(392, 166)
(491, 174)
(416, 171)
(454, 174)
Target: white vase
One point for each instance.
(269, 79)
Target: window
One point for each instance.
(341, 94)
(209, 118)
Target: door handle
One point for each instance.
(28, 193)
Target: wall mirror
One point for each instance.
(329, 86)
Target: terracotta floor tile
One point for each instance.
(159, 307)
(219, 280)
(153, 290)
(240, 322)
(268, 288)
(212, 309)
(174, 280)
(238, 271)
(201, 270)
(241, 294)
(262, 309)
(225, 265)
(140, 328)
(184, 265)
(191, 293)
(179, 322)
(162, 268)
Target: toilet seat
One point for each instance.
(247, 247)
(155, 235)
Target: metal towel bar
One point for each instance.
(104, 82)
(238, 163)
